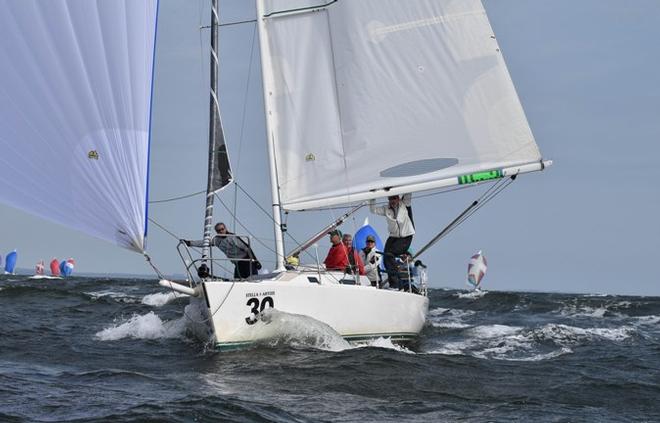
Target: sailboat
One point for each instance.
(476, 270)
(10, 262)
(363, 99)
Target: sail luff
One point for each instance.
(270, 114)
(151, 111)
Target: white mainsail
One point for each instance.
(76, 82)
(364, 96)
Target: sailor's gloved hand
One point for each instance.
(372, 260)
(258, 265)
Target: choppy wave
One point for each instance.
(530, 344)
(280, 328)
(118, 296)
(147, 326)
(450, 318)
(606, 309)
(159, 299)
(471, 295)
(94, 343)
(46, 277)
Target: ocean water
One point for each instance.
(108, 350)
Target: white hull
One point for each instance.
(355, 312)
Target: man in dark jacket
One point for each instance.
(236, 249)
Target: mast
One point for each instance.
(269, 112)
(215, 126)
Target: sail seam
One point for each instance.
(338, 105)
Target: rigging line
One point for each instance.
(298, 243)
(300, 9)
(245, 97)
(167, 200)
(469, 211)
(486, 200)
(153, 266)
(481, 203)
(228, 24)
(170, 233)
(244, 227)
(163, 228)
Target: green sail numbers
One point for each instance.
(480, 176)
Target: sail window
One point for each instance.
(418, 167)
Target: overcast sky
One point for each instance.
(588, 75)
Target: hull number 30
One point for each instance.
(257, 307)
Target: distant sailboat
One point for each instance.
(349, 87)
(10, 262)
(66, 267)
(476, 270)
(54, 267)
(39, 271)
(39, 268)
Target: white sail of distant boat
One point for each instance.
(363, 99)
(476, 271)
(39, 268)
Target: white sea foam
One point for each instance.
(583, 311)
(159, 299)
(494, 331)
(503, 342)
(471, 295)
(118, 296)
(44, 277)
(278, 327)
(148, 326)
(449, 325)
(611, 309)
(383, 343)
(454, 312)
(571, 335)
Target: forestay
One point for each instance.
(365, 95)
(76, 82)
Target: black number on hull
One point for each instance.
(255, 309)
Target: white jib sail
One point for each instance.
(76, 82)
(364, 95)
